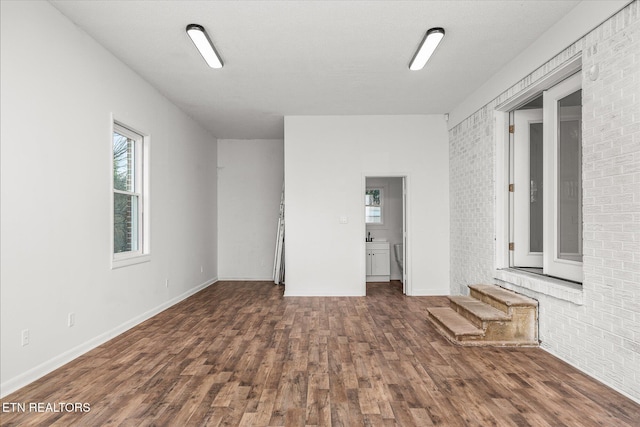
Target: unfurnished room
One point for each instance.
(320, 213)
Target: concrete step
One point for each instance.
(500, 298)
(476, 311)
(453, 325)
(490, 316)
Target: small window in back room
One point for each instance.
(373, 206)
(128, 192)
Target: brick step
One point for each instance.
(453, 325)
(476, 311)
(500, 298)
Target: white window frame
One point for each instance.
(503, 273)
(141, 191)
(382, 209)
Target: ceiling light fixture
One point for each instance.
(427, 47)
(201, 39)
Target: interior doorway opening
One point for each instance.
(385, 232)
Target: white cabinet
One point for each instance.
(378, 265)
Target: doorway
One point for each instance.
(546, 189)
(385, 232)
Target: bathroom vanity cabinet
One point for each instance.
(378, 262)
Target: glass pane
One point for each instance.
(569, 191)
(125, 223)
(373, 215)
(372, 197)
(123, 163)
(535, 187)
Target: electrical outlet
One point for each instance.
(25, 337)
(71, 320)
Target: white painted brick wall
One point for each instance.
(472, 201)
(602, 336)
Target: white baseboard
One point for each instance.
(43, 369)
(246, 279)
(429, 293)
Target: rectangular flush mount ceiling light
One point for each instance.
(427, 47)
(201, 39)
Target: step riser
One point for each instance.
(468, 315)
(444, 328)
(477, 312)
(487, 299)
(456, 338)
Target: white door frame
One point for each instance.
(502, 161)
(404, 236)
(406, 220)
(553, 264)
(522, 255)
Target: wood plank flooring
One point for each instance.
(239, 353)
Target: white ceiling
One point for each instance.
(312, 57)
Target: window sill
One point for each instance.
(124, 262)
(556, 288)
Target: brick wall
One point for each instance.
(471, 156)
(602, 335)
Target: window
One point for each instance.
(546, 224)
(128, 156)
(373, 206)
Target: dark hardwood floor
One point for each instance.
(239, 353)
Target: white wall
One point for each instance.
(326, 161)
(250, 177)
(59, 89)
(391, 229)
(580, 20)
(596, 326)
